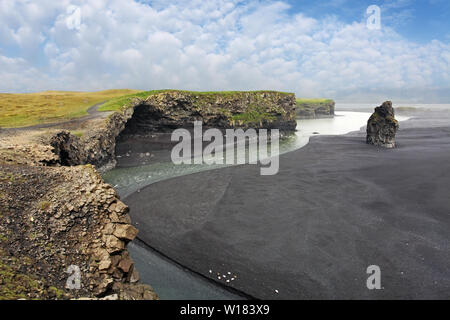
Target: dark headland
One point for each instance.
(336, 207)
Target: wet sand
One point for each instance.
(336, 206)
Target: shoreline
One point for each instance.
(153, 251)
(187, 179)
(221, 291)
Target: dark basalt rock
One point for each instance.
(315, 110)
(382, 126)
(67, 147)
(170, 110)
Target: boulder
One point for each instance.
(382, 126)
(125, 232)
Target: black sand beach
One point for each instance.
(336, 207)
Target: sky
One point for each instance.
(312, 48)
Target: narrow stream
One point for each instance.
(170, 280)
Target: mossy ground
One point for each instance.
(122, 102)
(15, 284)
(23, 272)
(255, 114)
(20, 110)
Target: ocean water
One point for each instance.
(170, 280)
(369, 107)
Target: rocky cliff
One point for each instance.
(171, 109)
(57, 216)
(179, 109)
(96, 146)
(312, 108)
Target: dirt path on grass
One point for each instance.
(93, 113)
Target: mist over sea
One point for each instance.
(368, 107)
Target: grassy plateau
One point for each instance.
(27, 109)
(22, 110)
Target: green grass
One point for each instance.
(77, 133)
(313, 101)
(21, 110)
(122, 102)
(254, 115)
(13, 284)
(44, 205)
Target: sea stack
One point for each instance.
(382, 126)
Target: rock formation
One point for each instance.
(57, 217)
(169, 110)
(306, 109)
(382, 126)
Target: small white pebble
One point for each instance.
(220, 278)
(210, 271)
(229, 272)
(228, 281)
(276, 291)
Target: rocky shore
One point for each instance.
(56, 211)
(57, 217)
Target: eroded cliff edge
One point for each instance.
(170, 109)
(56, 211)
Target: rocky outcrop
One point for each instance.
(310, 109)
(382, 126)
(169, 110)
(60, 220)
(96, 147)
(68, 149)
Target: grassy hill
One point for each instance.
(21, 110)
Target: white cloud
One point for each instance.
(208, 45)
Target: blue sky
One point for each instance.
(418, 20)
(312, 48)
